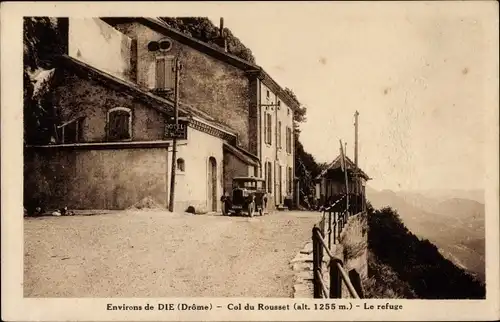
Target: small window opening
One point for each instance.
(119, 124)
(70, 132)
(181, 165)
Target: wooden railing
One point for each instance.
(332, 223)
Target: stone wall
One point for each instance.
(206, 83)
(353, 248)
(75, 96)
(94, 179)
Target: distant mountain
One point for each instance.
(455, 224)
(472, 194)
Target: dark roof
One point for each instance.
(335, 164)
(242, 154)
(161, 104)
(211, 50)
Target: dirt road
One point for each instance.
(160, 254)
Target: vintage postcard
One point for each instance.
(237, 161)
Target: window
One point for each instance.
(181, 165)
(279, 135)
(266, 175)
(288, 140)
(287, 111)
(268, 169)
(119, 124)
(268, 94)
(280, 177)
(70, 132)
(268, 128)
(290, 180)
(286, 181)
(164, 72)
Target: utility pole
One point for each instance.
(177, 68)
(356, 179)
(344, 167)
(356, 138)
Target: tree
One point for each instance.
(299, 115)
(41, 43)
(423, 268)
(203, 29)
(306, 167)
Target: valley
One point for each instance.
(448, 219)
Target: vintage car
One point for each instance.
(248, 195)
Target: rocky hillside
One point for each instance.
(455, 225)
(401, 265)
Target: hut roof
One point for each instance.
(335, 164)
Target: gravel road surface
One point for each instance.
(160, 254)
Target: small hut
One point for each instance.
(331, 184)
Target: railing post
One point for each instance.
(334, 228)
(335, 279)
(321, 251)
(316, 263)
(330, 229)
(341, 220)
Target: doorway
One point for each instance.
(212, 183)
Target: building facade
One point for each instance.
(113, 93)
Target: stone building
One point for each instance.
(113, 92)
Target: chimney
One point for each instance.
(221, 41)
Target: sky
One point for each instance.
(416, 73)
(423, 76)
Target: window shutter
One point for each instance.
(266, 136)
(123, 125)
(169, 73)
(160, 72)
(269, 131)
(269, 177)
(279, 135)
(266, 126)
(119, 125)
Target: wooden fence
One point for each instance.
(331, 225)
